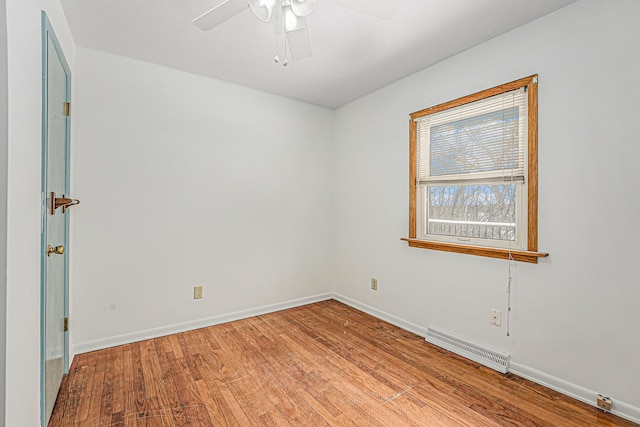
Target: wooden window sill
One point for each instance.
(523, 256)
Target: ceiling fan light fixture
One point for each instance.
(292, 22)
(303, 7)
(263, 9)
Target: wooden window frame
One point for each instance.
(531, 255)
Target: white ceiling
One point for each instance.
(353, 53)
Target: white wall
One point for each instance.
(576, 314)
(185, 180)
(23, 239)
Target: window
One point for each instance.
(473, 174)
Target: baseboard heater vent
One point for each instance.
(485, 356)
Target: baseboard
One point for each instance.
(621, 409)
(99, 344)
(382, 315)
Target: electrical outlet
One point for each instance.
(604, 402)
(197, 292)
(374, 284)
(494, 317)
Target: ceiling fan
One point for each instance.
(288, 17)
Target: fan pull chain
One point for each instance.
(284, 35)
(286, 62)
(277, 57)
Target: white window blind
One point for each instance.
(483, 141)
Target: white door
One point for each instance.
(55, 218)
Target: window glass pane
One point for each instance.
(482, 143)
(481, 211)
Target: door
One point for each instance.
(55, 218)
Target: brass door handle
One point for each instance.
(59, 250)
(61, 202)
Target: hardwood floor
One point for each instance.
(316, 365)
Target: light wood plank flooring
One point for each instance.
(316, 365)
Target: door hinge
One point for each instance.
(66, 108)
(66, 324)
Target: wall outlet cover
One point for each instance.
(494, 317)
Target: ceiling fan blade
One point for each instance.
(219, 14)
(383, 9)
(299, 45)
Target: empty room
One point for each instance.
(319, 212)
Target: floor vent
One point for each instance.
(483, 355)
